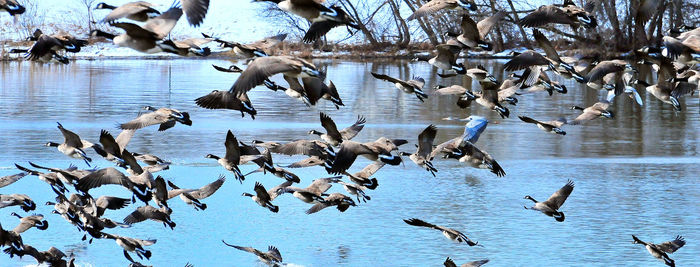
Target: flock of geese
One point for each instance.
(334, 150)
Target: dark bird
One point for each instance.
(551, 206)
(660, 251)
(450, 233)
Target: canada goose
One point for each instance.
(467, 152)
(449, 263)
(322, 25)
(21, 200)
(109, 149)
(362, 177)
(144, 39)
(263, 67)
(471, 37)
(629, 80)
(50, 178)
(413, 86)
(36, 220)
(563, 68)
(166, 117)
(104, 203)
(551, 206)
(46, 47)
(149, 213)
(53, 256)
(149, 159)
(137, 11)
(312, 193)
(335, 137)
(10, 179)
(11, 6)
(266, 164)
(356, 190)
(686, 51)
(138, 185)
(548, 126)
(488, 98)
(312, 148)
(232, 158)
(425, 146)
(529, 60)
(315, 89)
(131, 245)
(542, 83)
(599, 109)
(436, 5)
(72, 145)
(507, 90)
(260, 48)
(342, 203)
(660, 251)
(480, 74)
(10, 239)
(271, 257)
(190, 196)
(227, 100)
(568, 13)
(670, 92)
(349, 150)
(262, 197)
(187, 47)
(446, 58)
(70, 175)
(450, 233)
(610, 73)
(136, 170)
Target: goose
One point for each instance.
(449, 263)
(435, 5)
(232, 158)
(312, 193)
(50, 178)
(10, 239)
(227, 100)
(104, 203)
(610, 72)
(192, 196)
(139, 185)
(685, 51)
(568, 13)
(187, 47)
(149, 213)
(547, 126)
(263, 67)
(322, 18)
(109, 149)
(413, 86)
(21, 200)
(480, 74)
(630, 80)
(599, 109)
(149, 159)
(661, 251)
(476, 158)
(356, 190)
(543, 83)
(53, 256)
(379, 150)
(271, 257)
(551, 206)
(166, 117)
(312, 148)
(307, 162)
(36, 220)
(471, 37)
(315, 89)
(446, 58)
(342, 203)
(12, 6)
(424, 148)
(135, 169)
(266, 164)
(319, 27)
(472, 130)
(72, 145)
(46, 47)
(262, 197)
(131, 245)
(532, 61)
(144, 38)
(260, 48)
(488, 98)
(449, 233)
(670, 92)
(137, 11)
(335, 137)
(10, 179)
(507, 91)
(562, 68)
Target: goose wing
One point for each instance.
(275, 191)
(451, 90)
(209, 189)
(369, 170)
(321, 185)
(112, 203)
(317, 207)
(672, 246)
(9, 179)
(43, 46)
(545, 15)
(246, 249)
(485, 25)
(602, 69)
(163, 24)
(103, 177)
(260, 69)
(529, 120)
(445, 147)
(475, 263)
(469, 29)
(299, 147)
(123, 138)
(346, 156)
(429, 8)
(195, 10)
(425, 141)
(546, 45)
(585, 116)
(307, 162)
(233, 153)
(525, 60)
(70, 138)
(331, 128)
(261, 192)
(136, 31)
(109, 144)
(129, 9)
(646, 9)
(146, 212)
(352, 130)
(390, 79)
(449, 263)
(557, 199)
(419, 222)
(274, 253)
(25, 224)
(145, 120)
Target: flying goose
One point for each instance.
(166, 117)
(187, 47)
(342, 202)
(72, 145)
(476, 158)
(137, 11)
(336, 17)
(10, 239)
(543, 83)
(139, 185)
(104, 203)
(50, 178)
(363, 177)
(263, 67)
(312, 148)
(191, 196)
(609, 75)
(149, 159)
(685, 51)
(312, 193)
(149, 213)
(488, 98)
(267, 165)
(425, 147)
(227, 100)
(377, 150)
(262, 197)
(564, 69)
(599, 109)
(11, 6)
(436, 5)
(548, 126)
(471, 37)
(144, 38)
(531, 60)
(356, 190)
(670, 92)
(449, 263)
(232, 158)
(335, 137)
(450, 233)
(568, 13)
(551, 206)
(10, 179)
(46, 47)
(131, 245)
(660, 251)
(472, 130)
(21, 200)
(446, 58)
(413, 86)
(260, 48)
(271, 257)
(36, 220)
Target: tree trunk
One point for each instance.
(424, 26)
(526, 42)
(363, 27)
(611, 11)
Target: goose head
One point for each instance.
(467, 4)
(247, 195)
(104, 6)
(212, 156)
(530, 198)
(608, 114)
(315, 132)
(53, 144)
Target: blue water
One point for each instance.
(636, 174)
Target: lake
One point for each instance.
(634, 174)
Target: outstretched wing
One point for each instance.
(557, 199)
